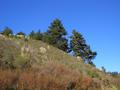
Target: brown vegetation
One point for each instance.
(50, 77)
(51, 70)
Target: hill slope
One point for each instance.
(37, 65)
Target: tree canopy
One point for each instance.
(55, 35)
(36, 35)
(80, 48)
(7, 31)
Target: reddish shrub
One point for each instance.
(86, 82)
(7, 79)
(49, 77)
(26, 81)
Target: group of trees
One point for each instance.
(56, 36)
(114, 74)
(36, 35)
(8, 32)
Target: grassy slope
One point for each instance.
(64, 71)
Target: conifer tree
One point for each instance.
(7, 31)
(36, 35)
(55, 35)
(32, 34)
(80, 48)
(39, 35)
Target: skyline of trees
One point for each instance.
(56, 35)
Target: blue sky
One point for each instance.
(97, 20)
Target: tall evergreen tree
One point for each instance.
(56, 35)
(80, 48)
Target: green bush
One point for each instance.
(7, 60)
(92, 74)
(21, 62)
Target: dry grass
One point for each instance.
(50, 77)
(116, 82)
(7, 79)
(53, 70)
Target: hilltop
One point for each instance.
(28, 64)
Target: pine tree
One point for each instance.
(36, 35)
(77, 44)
(7, 31)
(80, 48)
(63, 44)
(103, 69)
(32, 34)
(56, 35)
(39, 35)
(89, 55)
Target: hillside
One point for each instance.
(34, 65)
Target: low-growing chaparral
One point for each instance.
(34, 65)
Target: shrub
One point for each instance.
(50, 76)
(7, 31)
(21, 62)
(116, 82)
(7, 60)
(92, 74)
(7, 79)
(86, 82)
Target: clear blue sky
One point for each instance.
(97, 20)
